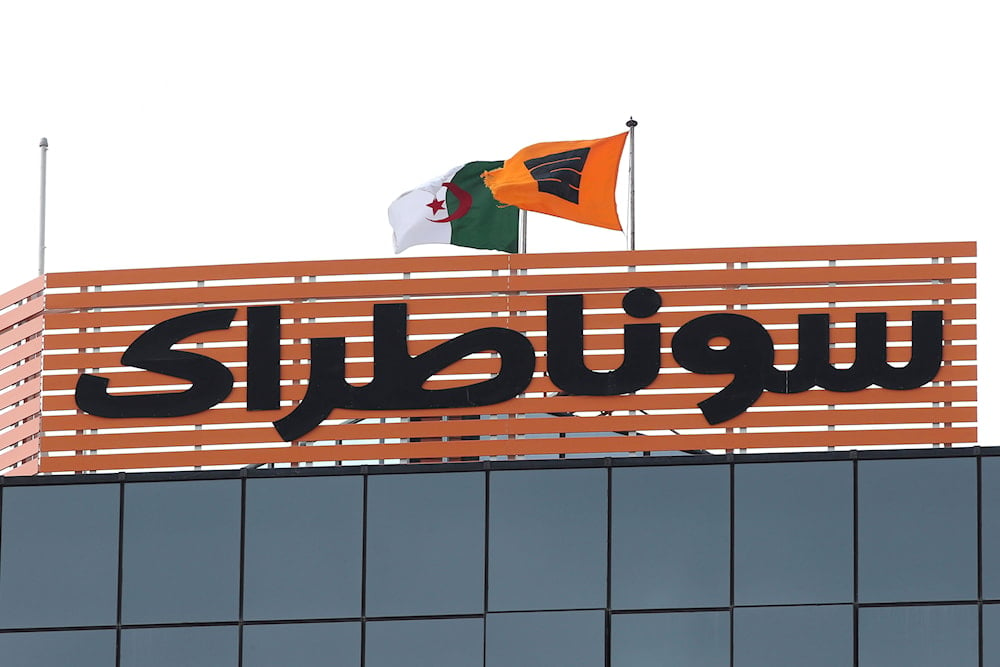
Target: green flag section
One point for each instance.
(456, 208)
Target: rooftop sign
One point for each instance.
(452, 357)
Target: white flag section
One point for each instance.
(455, 208)
(413, 218)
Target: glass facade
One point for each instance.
(830, 559)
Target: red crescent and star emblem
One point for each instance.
(464, 203)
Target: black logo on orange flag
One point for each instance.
(559, 174)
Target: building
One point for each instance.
(551, 528)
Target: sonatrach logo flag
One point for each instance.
(568, 179)
(456, 208)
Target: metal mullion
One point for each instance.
(121, 568)
(243, 544)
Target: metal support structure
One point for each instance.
(630, 124)
(44, 145)
(522, 232)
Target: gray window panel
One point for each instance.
(303, 548)
(59, 556)
(917, 530)
(426, 544)
(670, 537)
(794, 636)
(181, 554)
(991, 635)
(302, 645)
(925, 636)
(216, 646)
(451, 642)
(794, 533)
(547, 539)
(690, 639)
(545, 639)
(68, 648)
(991, 527)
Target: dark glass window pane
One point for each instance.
(452, 642)
(70, 648)
(794, 636)
(917, 528)
(991, 527)
(670, 537)
(426, 544)
(794, 533)
(698, 639)
(931, 636)
(171, 647)
(181, 558)
(302, 645)
(991, 635)
(545, 639)
(303, 547)
(59, 554)
(548, 539)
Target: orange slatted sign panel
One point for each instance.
(21, 324)
(502, 355)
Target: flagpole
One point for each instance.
(522, 232)
(44, 145)
(630, 124)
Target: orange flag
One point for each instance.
(568, 179)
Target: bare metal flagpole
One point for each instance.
(522, 232)
(44, 145)
(630, 124)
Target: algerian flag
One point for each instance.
(456, 208)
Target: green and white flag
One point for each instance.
(456, 208)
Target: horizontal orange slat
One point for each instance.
(33, 346)
(335, 267)
(18, 454)
(21, 392)
(923, 273)
(21, 412)
(28, 468)
(531, 405)
(457, 325)
(124, 376)
(506, 262)
(15, 335)
(456, 428)
(19, 373)
(295, 392)
(506, 303)
(20, 292)
(523, 446)
(861, 298)
(677, 380)
(621, 423)
(22, 313)
(752, 254)
(18, 433)
(124, 379)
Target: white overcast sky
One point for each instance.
(219, 132)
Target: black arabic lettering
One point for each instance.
(398, 378)
(565, 360)
(749, 356)
(263, 358)
(211, 382)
